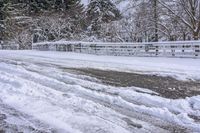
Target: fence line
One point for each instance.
(167, 49)
(9, 47)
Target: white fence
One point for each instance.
(9, 46)
(167, 49)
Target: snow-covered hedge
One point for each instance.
(169, 49)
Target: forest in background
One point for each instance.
(24, 22)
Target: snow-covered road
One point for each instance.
(34, 85)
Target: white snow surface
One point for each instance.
(33, 82)
(180, 68)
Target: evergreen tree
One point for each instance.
(63, 20)
(35, 6)
(101, 11)
(1, 19)
(38, 6)
(4, 14)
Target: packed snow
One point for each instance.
(34, 83)
(180, 68)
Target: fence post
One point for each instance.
(164, 50)
(197, 50)
(72, 47)
(173, 50)
(95, 48)
(80, 47)
(157, 50)
(183, 48)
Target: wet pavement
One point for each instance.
(167, 87)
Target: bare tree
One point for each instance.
(187, 11)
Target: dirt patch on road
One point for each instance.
(166, 86)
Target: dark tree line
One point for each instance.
(26, 21)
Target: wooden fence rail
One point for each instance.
(166, 49)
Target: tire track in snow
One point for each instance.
(22, 74)
(50, 100)
(115, 107)
(85, 95)
(12, 121)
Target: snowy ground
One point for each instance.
(37, 95)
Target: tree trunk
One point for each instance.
(184, 36)
(155, 6)
(196, 35)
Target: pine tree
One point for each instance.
(4, 14)
(63, 20)
(1, 20)
(35, 6)
(101, 11)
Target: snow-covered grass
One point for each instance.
(33, 83)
